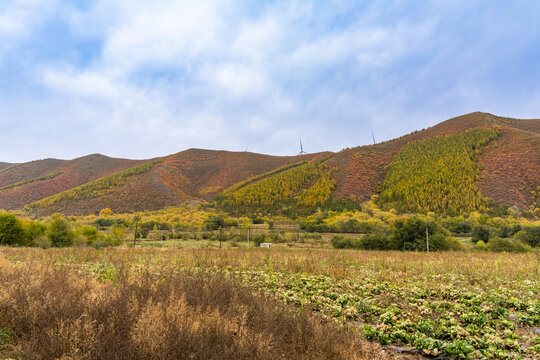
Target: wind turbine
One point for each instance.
(302, 152)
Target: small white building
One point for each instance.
(266, 245)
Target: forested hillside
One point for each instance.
(306, 185)
(438, 175)
(509, 171)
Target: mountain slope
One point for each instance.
(503, 171)
(4, 165)
(25, 183)
(360, 172)
(191, 175)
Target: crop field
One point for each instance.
(364, 304)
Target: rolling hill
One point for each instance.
(193, 175)
(4, 165)
(469, 162)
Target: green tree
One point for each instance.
(529, 235)
(59, 232)
(410, 234)
(11, 230)
(118, 234)
(89, 232)
(480, 232)
(33, 230)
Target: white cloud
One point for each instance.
(236, 80)
(162, 33)
(81, 83)
(373, 46)
(19, 18)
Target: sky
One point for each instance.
(140, 79)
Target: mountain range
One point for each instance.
(507, 173)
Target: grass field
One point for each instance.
(198, 302)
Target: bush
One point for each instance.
(43, 242)
(117, 235)
(104, 223)
(509, 245)
(375, 242)
(33, 230)
(458, 226)
(529, 235)
(341, 242)
(505, 231)
(259, 239)
(214, 223)
(11, 230)
(59, 232)
(90, 233)
(481, 246)
(480, 232)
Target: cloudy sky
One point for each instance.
(139, 78)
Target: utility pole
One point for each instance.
(427, 239)
(135, 232)
(220, 235)
(248, 228)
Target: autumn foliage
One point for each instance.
(437, 175)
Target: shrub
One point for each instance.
(481, 246)
(480, 232)
(509, 245)
(505, 231)
(529, 235)
(11, 230)
(59, 232)
(341, 242)
(184, 315)
(43, 242)
(458, 225)
(375, 242)
(214, 223)
(90, 233)
(33, 230)
(259, 239)
(118, 234)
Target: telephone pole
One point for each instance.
(427, 239)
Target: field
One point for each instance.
(199, 302)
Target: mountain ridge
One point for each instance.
(509, 171)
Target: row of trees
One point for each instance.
(58, 232)
(410, 233)
(407, 234)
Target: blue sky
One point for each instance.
(138, 78)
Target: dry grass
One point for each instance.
(146, 303)
(57, 314)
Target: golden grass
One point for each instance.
(57, 313)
